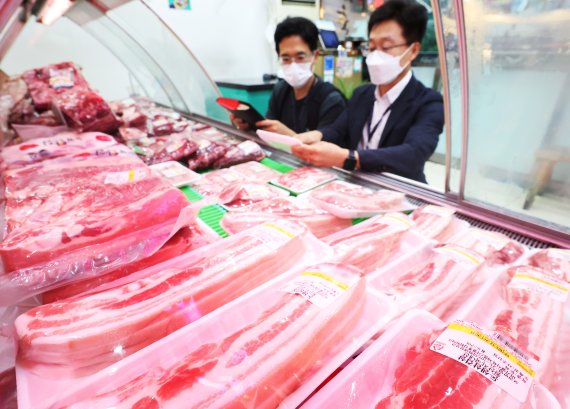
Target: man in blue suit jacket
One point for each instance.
(392, 125)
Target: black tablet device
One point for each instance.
(242, 110)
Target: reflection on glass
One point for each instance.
(519, 67)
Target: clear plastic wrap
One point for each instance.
(242, 152)
(370, 244)
(163, 149)
(185, 240)
(431, 283)
(351, 201)
(8, 396)
(243, 194)
(212, 183)
(555, 261)
(318, 221)
(85, 111)
(81, 335)
(176, 174)
(12, 91)
(303, 179)
(267, 348)
(46, 83)
(497, 248)
(24, 113)
(207, 153)
(435, 222)
(72, 220)
(398, 370)
(256, 171)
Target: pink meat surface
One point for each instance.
(213, 183)
(303, 179)
(45, 83)
(163, 149)
(369, 245)
(256, 171)
(496, 247)
(8, 396)
(243, 194)
(554, 261)
(434, 222)
(347, 196)
(433, 284)
(318, 221)
(427, 379)
(82, 334)
(208, 152)
(66, 221)
(184, 241)
(240, 153)
(268, 358)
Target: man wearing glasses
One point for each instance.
(302, 101)
(392, 125)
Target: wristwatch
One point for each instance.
(350, 162)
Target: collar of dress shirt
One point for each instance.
(395, 91)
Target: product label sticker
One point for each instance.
(438, 210)
(561, 254)
(249, 147)
(461, 254)
(397, 220)
(495, 240)
(61, 78)
(121, 178)
(535, 281)
(319, 287)
(173, 147)
(279, 230)
(491, 354)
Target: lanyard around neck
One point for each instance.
(372, 129)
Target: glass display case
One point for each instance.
(504, 75)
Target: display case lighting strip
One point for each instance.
(54, 9)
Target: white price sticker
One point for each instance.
(438, 210)
(534, 281)
(249, 147)
(277, 234)
(121, 178)
(318, 287)
(490, 354)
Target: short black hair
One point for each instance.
(300, 26)
(409, 14)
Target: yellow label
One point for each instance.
(131, 175)
(280, 229)
(400, 219)
(540, 280)
(339, 284)
(495, 345)
(463, 253)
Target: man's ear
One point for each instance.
(416, 47)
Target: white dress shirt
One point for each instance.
(381, 104)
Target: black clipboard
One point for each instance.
(241, 110)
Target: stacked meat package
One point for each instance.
(118, 291)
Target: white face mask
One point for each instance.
(383, 67)
(297, 74)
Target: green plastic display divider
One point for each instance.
(359, 220)
(278, 166)
(212, 215)
(191, 194)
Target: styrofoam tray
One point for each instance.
(377, 312)
(278, 141)
(36, 392)
(369, 378)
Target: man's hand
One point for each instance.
(323, 154)
(239, 123)
(272, 125)
(309, 137)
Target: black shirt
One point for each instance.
(295, 114)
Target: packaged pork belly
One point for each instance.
(320, 223)
(438, 223)
(303, 179)
(350, 201)
(272, 347)
(74, 220)
(83, 334)
(256, 171)
(419, 362)
(554, 260)
(376, 242)
(241, 195)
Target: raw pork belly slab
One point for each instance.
(340, 198)
(67, 221)
(256, 171)
(303, 179)
(255, 366)
(318, 221)
(45, 83)
(433, 284)
(213, 183)
(497, 248)
(554, 261)
(368, 245)
(434, 222)
(184, 241)
(83, 334)
(243, 194)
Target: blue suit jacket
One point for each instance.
(409, 137)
